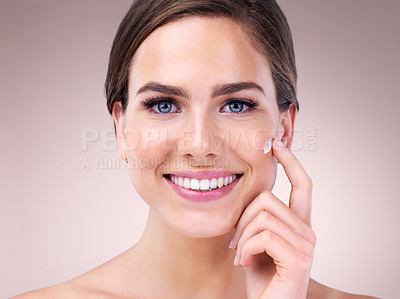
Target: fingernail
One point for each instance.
(235, 262)
(268, 146)
(280, 144)
(231, 245)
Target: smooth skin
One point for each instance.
(283, 233)
(188, 249)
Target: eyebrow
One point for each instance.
(230, 88)
(168, 89)
(219, 90)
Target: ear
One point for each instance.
(120, 122)
(287, 119)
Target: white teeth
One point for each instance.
(203, 184)
(180, 182)
(226, 181)
(195, 184)
(186, 183)
(213, 183)
(220, 182)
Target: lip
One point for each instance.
(203, 196)
(203, 174)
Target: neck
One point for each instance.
(182, 263)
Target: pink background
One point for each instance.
(59, 219)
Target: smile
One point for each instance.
(203, 186)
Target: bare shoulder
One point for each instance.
(108, 280)
(79, 287)
(75, 288)
(318, 291)
(63, 290)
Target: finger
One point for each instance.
(267, 242)
(301, 194)
(268, 202)
(267, 222)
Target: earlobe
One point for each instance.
(119, 122)
(287, 120)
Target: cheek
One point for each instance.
(262, 167)
(146, 152)
(147, 145)
(263, 172)
(250, 140)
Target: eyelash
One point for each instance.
(149, 103)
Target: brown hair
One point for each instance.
(262, 20)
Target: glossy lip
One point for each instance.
(203, 196)
(203, 174)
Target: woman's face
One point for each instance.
(207, 76)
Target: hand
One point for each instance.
(275, 241)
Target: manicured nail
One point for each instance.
(231, 245)
(268, 146)
(235, 262)
(280, 144)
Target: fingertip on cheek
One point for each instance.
(267, 146)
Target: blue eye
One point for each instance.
(237, 106)
(164, 107)
(167, 106)
(160, 105)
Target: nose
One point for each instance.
(202, 138)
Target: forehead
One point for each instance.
(199, 51)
